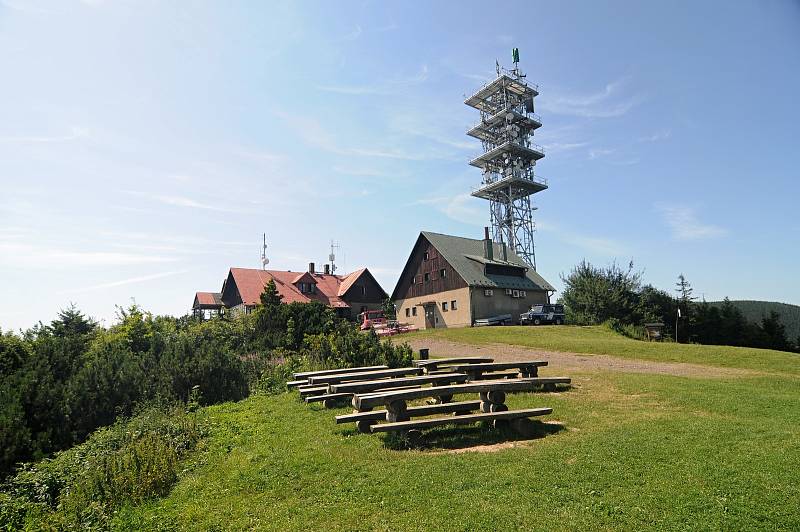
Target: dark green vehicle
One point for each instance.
(543, 314)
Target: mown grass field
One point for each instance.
(600, 340)
(636, 451)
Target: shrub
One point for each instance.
(128, 462)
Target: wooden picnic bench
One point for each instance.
(362, 376)
(369, 401)
(434, 363)
(307, 374)
(364, 420)
(412, 427)
(369, 386)
(528, 368)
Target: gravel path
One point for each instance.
(568, 361)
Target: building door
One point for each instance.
(430, 317)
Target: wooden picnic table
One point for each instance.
(362, 376)
(528, 368)
(369, 386)
(433, 363)
(364, 402)
(304, 375)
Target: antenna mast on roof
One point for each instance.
(264, 259)
(332, 257)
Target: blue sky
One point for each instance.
(145, 146)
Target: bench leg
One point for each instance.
(363, 425)
(397, 411)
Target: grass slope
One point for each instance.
(637, 451)
(754, 310)
(602, 341)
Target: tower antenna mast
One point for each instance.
(506, 128)
(264, 259)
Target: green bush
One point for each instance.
(129, 462)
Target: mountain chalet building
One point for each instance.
(348, 295)
(449, 281)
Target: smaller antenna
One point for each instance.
(264, 259)
(332, 257)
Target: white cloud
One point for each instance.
(683, 222)
(595, 153)
(598, 245)
(74, 134)
(560, 147)
(123, 282)
(387, 87)
(655, 137)
(18, 255)
(460, 207)
(606, 103)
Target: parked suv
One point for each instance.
(539, 314)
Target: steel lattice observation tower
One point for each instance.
(509, 157)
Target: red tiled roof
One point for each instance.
(348, 281)
(251, 283)
(208, 299)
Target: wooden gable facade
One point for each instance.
(426, 272)
(364, 289)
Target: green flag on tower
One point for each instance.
(515, 55)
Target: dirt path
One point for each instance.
(568, 361)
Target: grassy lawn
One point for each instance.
(636, 451)
(602, 341)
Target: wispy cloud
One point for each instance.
(14, 254)
(352, 35)
(460, 207)
(184, 202)
(123, 282)
(595, 153)
(594, 244)
(74, 134)
(606, 103)
(560, 147)
(655, 137)
(685, 225)
(391, 86)
(505, 39)
(314, 134)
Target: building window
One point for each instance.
(413, 311)
(312, 287)
(453, 305)
(408, 312)
(442, 273)
(363, 290)
(425, 256)
(444, 306)
(427, 277)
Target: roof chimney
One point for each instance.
(504, 251)
(310, 267)
(327, 269)
(488, 247)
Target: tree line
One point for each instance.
(61, 381)
(618, 296)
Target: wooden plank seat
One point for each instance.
(368, 401)
(508, 415)
(330, 398)
(312, 390)
(496, 375)
(434, 363)
(306, 374)
(412, 411)
(369, 386)
(363, 376)
(529, 368)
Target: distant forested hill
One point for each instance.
(754, 310)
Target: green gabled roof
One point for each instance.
(465, 255)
